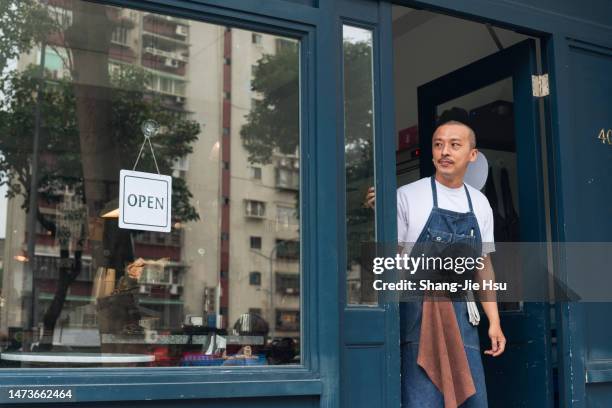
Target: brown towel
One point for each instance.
(441, 353)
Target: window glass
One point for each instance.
(359, 158)
(88, 90)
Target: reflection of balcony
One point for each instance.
(122, 17)
(160, 17)
(166, 65)
(287, 250)
(255, 209)
(288, 283)
(287, 179)
(120, 52)
(168, 55)
(166, 34)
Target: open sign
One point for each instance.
(145, 201)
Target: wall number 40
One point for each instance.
(605, 136)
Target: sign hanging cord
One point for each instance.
(149, 129)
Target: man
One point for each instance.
(446, 373)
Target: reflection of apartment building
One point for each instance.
(264, 267)
(160, 46)
(242, 255)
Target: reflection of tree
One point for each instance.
(273, 125)
(273, 122)
(90, 129)
(358, 148)
(61, 162)
(24, 23)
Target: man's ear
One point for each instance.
(473, 155)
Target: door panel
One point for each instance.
(370, 326)
(526, 325)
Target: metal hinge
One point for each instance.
(539, 85)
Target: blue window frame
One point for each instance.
(317, 242)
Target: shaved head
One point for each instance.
(471, 134)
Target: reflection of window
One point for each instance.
(255, 173)
(179, 87)
(287, 178)
(159, 238)
(284, 44)
(167, 85)
(181, 164)
(61, 16)
(48, 267)
(155, 274)
(256, 38)
(288, 283)
(285, 215)
(255, 278)
(182, 30)
(255, 242)
(120, 35)
(54, 62)
(287, 249)
(255, 208)
(89, 319)
(287, 320)
(175, 237)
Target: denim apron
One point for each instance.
(442, 226)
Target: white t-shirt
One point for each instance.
(415, 201)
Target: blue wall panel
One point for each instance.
(295, 402)
(580, 166)
(363, 366)
(599, 11)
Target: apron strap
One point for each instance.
(468, 197)
(434, 191)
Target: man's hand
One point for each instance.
(370, 199)
(498, 341)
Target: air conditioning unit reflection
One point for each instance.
(180, 99)
(144, 289)
(181, 30)
(171, 63)
(174, 289)
(256, 209)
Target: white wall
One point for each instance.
(434, 48)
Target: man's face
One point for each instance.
(452, 151)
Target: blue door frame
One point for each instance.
(577, 43)
(577, 53)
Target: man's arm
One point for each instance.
(489, 304)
